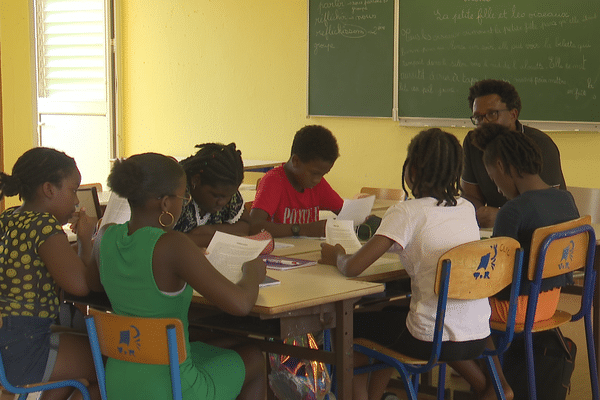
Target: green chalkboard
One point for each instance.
(351, 57)
(548, 49)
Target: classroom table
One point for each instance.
(260, 165)
(308, 299)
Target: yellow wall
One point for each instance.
(230, 70)
(17, 111)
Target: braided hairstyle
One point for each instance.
(145, 176)
(507, 92)
(510, 147)
(216, 163)
(315, 142)
(434, 163)
(35, 167)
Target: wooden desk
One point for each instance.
(307, 300)
(310, 299)
(260, 165)
(385, 269)
(296, 246)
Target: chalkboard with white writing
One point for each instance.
(351, 57)
(549, 50)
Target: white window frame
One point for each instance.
(45, 109)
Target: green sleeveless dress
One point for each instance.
(126, 273)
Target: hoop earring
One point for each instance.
(160, 220)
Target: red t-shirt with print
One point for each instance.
(285, 205)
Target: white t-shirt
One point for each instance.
(426, 231)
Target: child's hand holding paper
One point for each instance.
(356, 210)
(342, 232)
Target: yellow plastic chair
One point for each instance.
(23, 391)
(556, 250)
(159, 341)
(474, 270)
(384, 194)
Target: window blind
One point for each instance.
(71, 50)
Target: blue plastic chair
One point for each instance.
(473, 270)
(160, 341)
(23, 391)
(556, 250)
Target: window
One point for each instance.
(75, 68)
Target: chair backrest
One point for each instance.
(158, 341)
(88, 198)
(479, 269)
(587, 201)
(384, 194)
(96, 185)
(560, 248)
(135, 339)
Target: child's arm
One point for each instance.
(84, 227)
(65, 266)
(355, 264)
(93, 271)
(260, 221)
(187, 261)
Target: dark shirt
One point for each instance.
(519, 217)
(474, 170)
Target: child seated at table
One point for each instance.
(420, 231)
(289, 197)
(37, 261)
(150, 270)
(214, 175)
(513, 161)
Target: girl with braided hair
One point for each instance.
(420, 231)
(36, 259)
(513, 162)
(213, 176)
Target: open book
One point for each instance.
(228, 252)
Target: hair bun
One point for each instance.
(10, 185)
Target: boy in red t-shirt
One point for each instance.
(290, 196)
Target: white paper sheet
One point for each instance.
(227, 253)
(117, 211)
(356, 210)
(342, 232)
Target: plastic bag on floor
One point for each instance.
(295, 379)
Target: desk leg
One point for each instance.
(344, 338)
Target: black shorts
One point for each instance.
(388, 328)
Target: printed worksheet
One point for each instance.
(356, 210)
(117, 211)
(342, 232)
(228, 252)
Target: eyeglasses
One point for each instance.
(490, 116)
(187, 198)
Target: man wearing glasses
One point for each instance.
(495, 101)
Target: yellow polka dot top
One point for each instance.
(26, 287)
